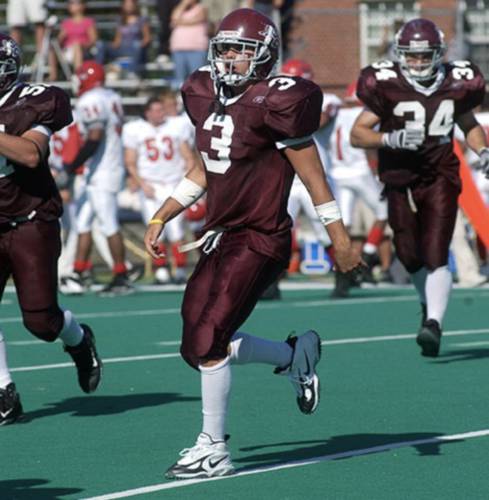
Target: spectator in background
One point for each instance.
(265, 6)
(164, 10)
(132, 38)
(217, 9)
(189, 39)
(20, 13)
(78, 33)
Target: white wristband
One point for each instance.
(187, 192)
(328, 212)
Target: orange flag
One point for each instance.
(470, 200)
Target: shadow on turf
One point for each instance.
(462, 355)
(304, 450)
(95, 406)
(22, 489)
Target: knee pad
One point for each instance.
(45, 324)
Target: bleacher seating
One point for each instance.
(106, 13)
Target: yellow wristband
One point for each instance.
(157, 221)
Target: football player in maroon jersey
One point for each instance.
(253, 132)
(411, 109)
(30, 207)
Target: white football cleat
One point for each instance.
(72, 285)
(207, 458)
(162, 275)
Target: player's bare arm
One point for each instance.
(190, 188)
(28, 150)
(189, 155)
(474, 133)
(475, 139)
(363, 134)
(131, 161)
(307, 164)
(93, 140)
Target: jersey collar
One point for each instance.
(427, 91)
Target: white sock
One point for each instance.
(216, 386)
(5, 378)
(248, 349)
(419, 280)
(438, 288)
(72, 333)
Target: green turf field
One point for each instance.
(391, 424)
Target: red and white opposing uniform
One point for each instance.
(351, 174)
(104, 172)
(300, 199)
(160, 162)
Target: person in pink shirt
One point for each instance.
(189, 39)
(78, 33)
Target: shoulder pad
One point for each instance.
(199, 82)
(293, 106)
(285, 91)
(52, 105)
(467, 76)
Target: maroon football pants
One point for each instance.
(29, 253)
(423, 232)
(220, 295)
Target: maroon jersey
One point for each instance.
(23, 189)
(401, 102)
(248, 177)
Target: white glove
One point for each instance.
(406, 138)
(484, 161)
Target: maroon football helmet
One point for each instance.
(254, 38)
(420, 37)
(297, 67)
(10, 55)
(89, 75)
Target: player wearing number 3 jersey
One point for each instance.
(253, 132)
(412, 107)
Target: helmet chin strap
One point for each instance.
(217, 106)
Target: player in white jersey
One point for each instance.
(100, 115)
(157, 154)
(354, 180)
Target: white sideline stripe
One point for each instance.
(277, 305)
(471, 344)
(105, 361)
(357, 340)
(293, 464)
(364, 340)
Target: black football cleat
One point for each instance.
(120, 285)
(342, 284)
(10, 405)
(429, 338)
(367, 275)
(88, 364)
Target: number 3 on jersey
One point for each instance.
(220, 145)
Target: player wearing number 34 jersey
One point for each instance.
(253, 132)
(415, 104)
